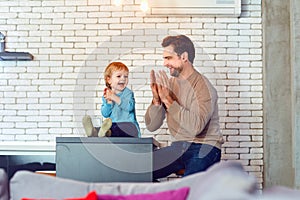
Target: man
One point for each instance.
(189, 103)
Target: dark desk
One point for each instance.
(107, 159)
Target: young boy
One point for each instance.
(118, 106)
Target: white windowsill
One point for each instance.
(27, 148)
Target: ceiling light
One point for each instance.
(144, 5)
(118, 2)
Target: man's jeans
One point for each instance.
(192, 157)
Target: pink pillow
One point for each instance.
(179, 194)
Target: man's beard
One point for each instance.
(176, 72)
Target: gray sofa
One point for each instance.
(225, 180)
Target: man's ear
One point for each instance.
(185, 56)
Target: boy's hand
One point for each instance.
(105, 89)
(111, 97)
(107, 95)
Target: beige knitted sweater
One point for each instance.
(193, 117)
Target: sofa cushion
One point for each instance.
(4, 194)
(32, 185)
(226, 180)
(90, 196)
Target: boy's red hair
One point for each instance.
(112, 67)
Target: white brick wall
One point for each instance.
(73, 40)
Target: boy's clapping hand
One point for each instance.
(107, 95)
